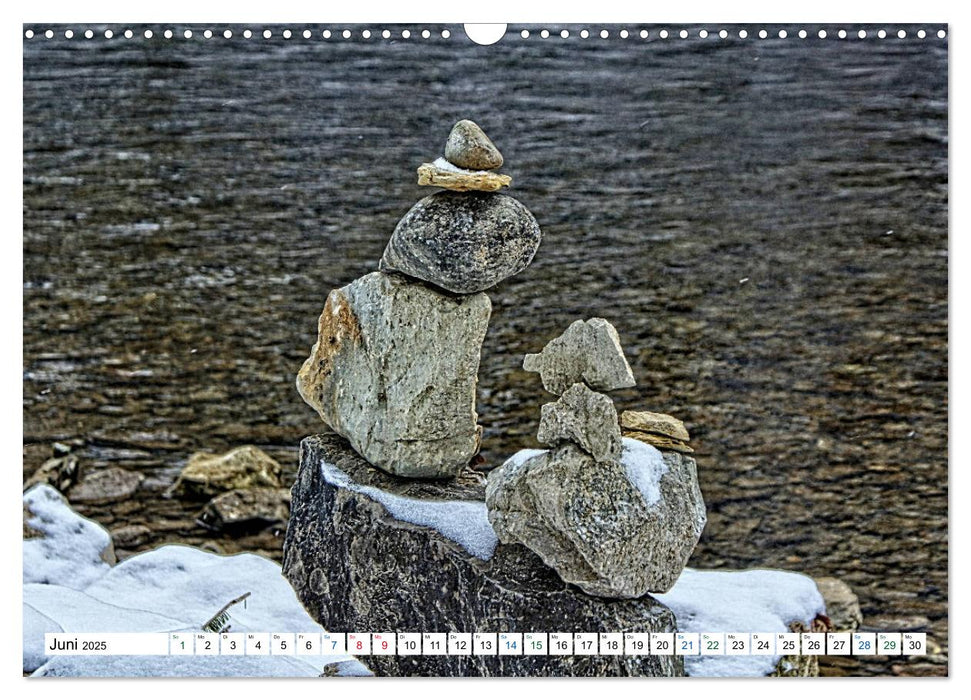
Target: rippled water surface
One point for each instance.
(764, 221)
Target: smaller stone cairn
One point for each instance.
(614, 516)
(396, 362)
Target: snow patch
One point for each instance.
(758, 600)
(69, 552)
(645, 466)
(443, 164)
(464, 522)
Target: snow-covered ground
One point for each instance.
(69, 587)
(169, 589)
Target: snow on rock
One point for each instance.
(758, 600)
(71, 551)
(168, 589)
(443, 164)
(464, 522)
(644, 466)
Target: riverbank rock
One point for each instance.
(206, 474)
(463, 242)
(106, 486)
(368, 551)
(585, 418)
(441, 173)
(394, 371)
(130, 536)
(842, 604)
(616, 528)
(247, 510)
(588, 352)
(62, 470)
(468, 147)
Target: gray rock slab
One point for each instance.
(463, 242)
(615, 529)
(588, 352)
(356, 566)
(584, 417)
(394, 371)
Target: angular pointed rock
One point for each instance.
(468, 147)
(584, 417)
(588, 352)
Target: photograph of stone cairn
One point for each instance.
(390, 527)
(756, 230)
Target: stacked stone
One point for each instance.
(612, 515)
(395, 366)
(658, 429)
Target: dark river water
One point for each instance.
(764, 221)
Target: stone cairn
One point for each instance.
(396, 362)
(422, 543)
(612, 515)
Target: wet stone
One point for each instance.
(106, 486)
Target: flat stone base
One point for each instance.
(357, 567)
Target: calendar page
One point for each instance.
(490, 350)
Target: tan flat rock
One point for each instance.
(433, 175)
(660, 423)
(661, 442)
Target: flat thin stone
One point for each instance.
(468, 147)
(649, 422)
(584, 417)
(394, 371)
(662, 442)
(461, 180)
(588, 352)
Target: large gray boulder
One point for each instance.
(366, 551)
(394, 371)
(614, 528)
(463, 242)
(588, 352)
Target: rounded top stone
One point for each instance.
(468, 147)
(463, 242)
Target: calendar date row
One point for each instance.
(489, 643)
